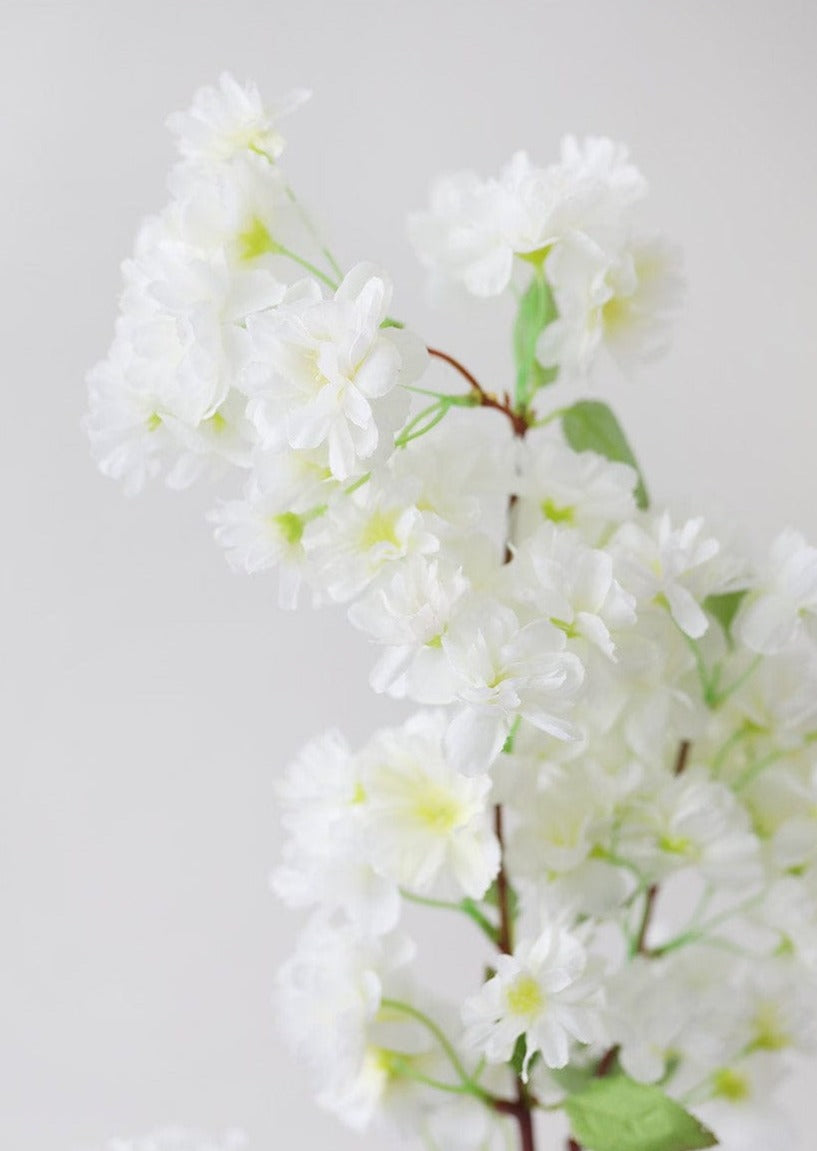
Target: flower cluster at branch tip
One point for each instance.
(610, 777)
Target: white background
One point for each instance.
(150, 696)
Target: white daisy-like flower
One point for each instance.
(329, 995)
(229, 118)
(503, 670)
(362, 534)
(582, 490)
(622, 300)
(408, 611)
(265, 528)
(785, 603)
(742, 1111)
(692, 821)
(326, 860)
(427, 826)
(476, 227)
(544, 991)
(672, 565)
(320, 368)
(573, 586)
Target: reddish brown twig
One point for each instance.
(649, 907)
(505, 936)
(486, 399)
(606, 1063)
(683, 757)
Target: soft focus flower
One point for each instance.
(229, 118)
(544, 992)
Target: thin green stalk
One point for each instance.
(423, 422)
(402, 1065)
(353, 487)
(281, 250)
(707, 685)
(754, 769)
(313, 231)
(466, 907)
(697, 934)
(443, 1040)
(722, 754)
(556, 414)
(723, 695)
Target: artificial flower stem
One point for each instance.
(466, 907)
(443, 1040)
(485, 399)
(307, 265)
(313, 231)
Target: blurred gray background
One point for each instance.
(151, 696)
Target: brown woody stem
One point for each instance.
(485, 398)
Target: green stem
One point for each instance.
(722, 696)
(697, 935)
(281, 250)
(402, 1065)
(707, 685)
(466, 907)
(556, 414)
(353, 487)
(423, 422)
(313, 231)
(722, 754)
(754, 769)
(443, 1040)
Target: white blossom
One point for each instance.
(692, 821)
(504, 670)
(409, 611)
(622, 300)
(319, 367)
(475, 227)
(573, 586)
(786, 599)
(426, 824)
(544, 991)
(325, 861)
(362, 535)
(574, 489)
(329, 994)
(672, 565)
(615, 799)
(229, 118)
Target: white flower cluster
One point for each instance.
(611, 772)
(574, 222)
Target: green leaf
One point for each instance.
(536, 311)
(590, 426)
(572, 1079)
(618, 1114)
(520, 1050)
(725, 607)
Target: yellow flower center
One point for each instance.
(525, 996)
(438, 810)
(730, 1085)
(255, 240)
(675, 844)
(380, 528)
(290, 525)
(769, 1035)
(558, 515)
